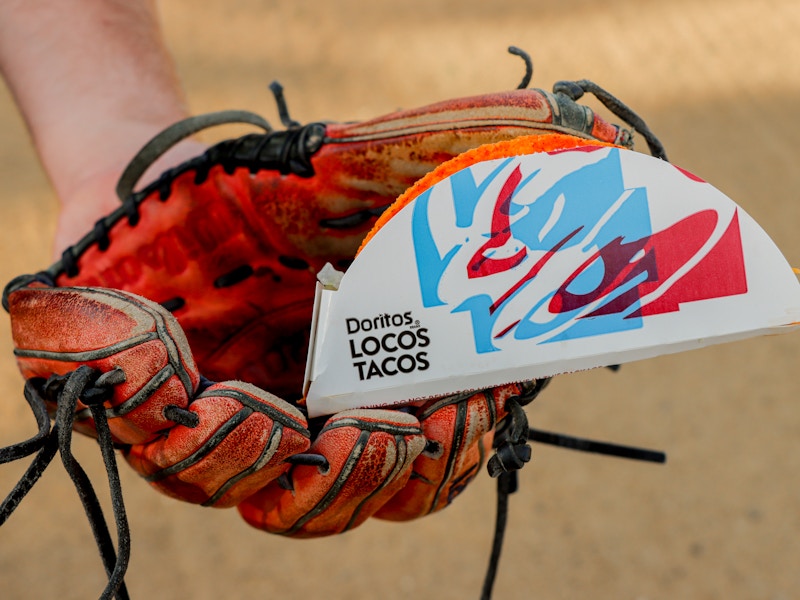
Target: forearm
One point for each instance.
(94, 82)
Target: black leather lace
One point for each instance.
(574, 90)
(512, 452)
(92, 388)
(287, 152)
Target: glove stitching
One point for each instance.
(266, 455)
(288, 152)
(204, 450)
(334, 491)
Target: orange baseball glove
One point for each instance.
(176, 330)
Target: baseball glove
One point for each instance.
(176, 330)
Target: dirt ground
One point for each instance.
(719, 82)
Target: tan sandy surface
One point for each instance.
(719, 82)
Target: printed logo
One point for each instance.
(552, 256)
(386, 345)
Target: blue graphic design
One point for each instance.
(584, 212)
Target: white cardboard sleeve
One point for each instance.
(542, 264)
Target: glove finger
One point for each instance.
(364, 166)
(459, 432)
(240, 443)
(56, 330)
(369, 457)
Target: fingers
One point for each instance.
(55, 330)
(240, 443)
(369, 454)
(458, 430)
(229, 445)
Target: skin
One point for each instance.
(94, 82)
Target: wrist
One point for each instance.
(86, 198)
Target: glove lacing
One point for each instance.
(93, 388)
(512, 452)
(574, 90)
(287, 152)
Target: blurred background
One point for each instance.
(719, 83)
